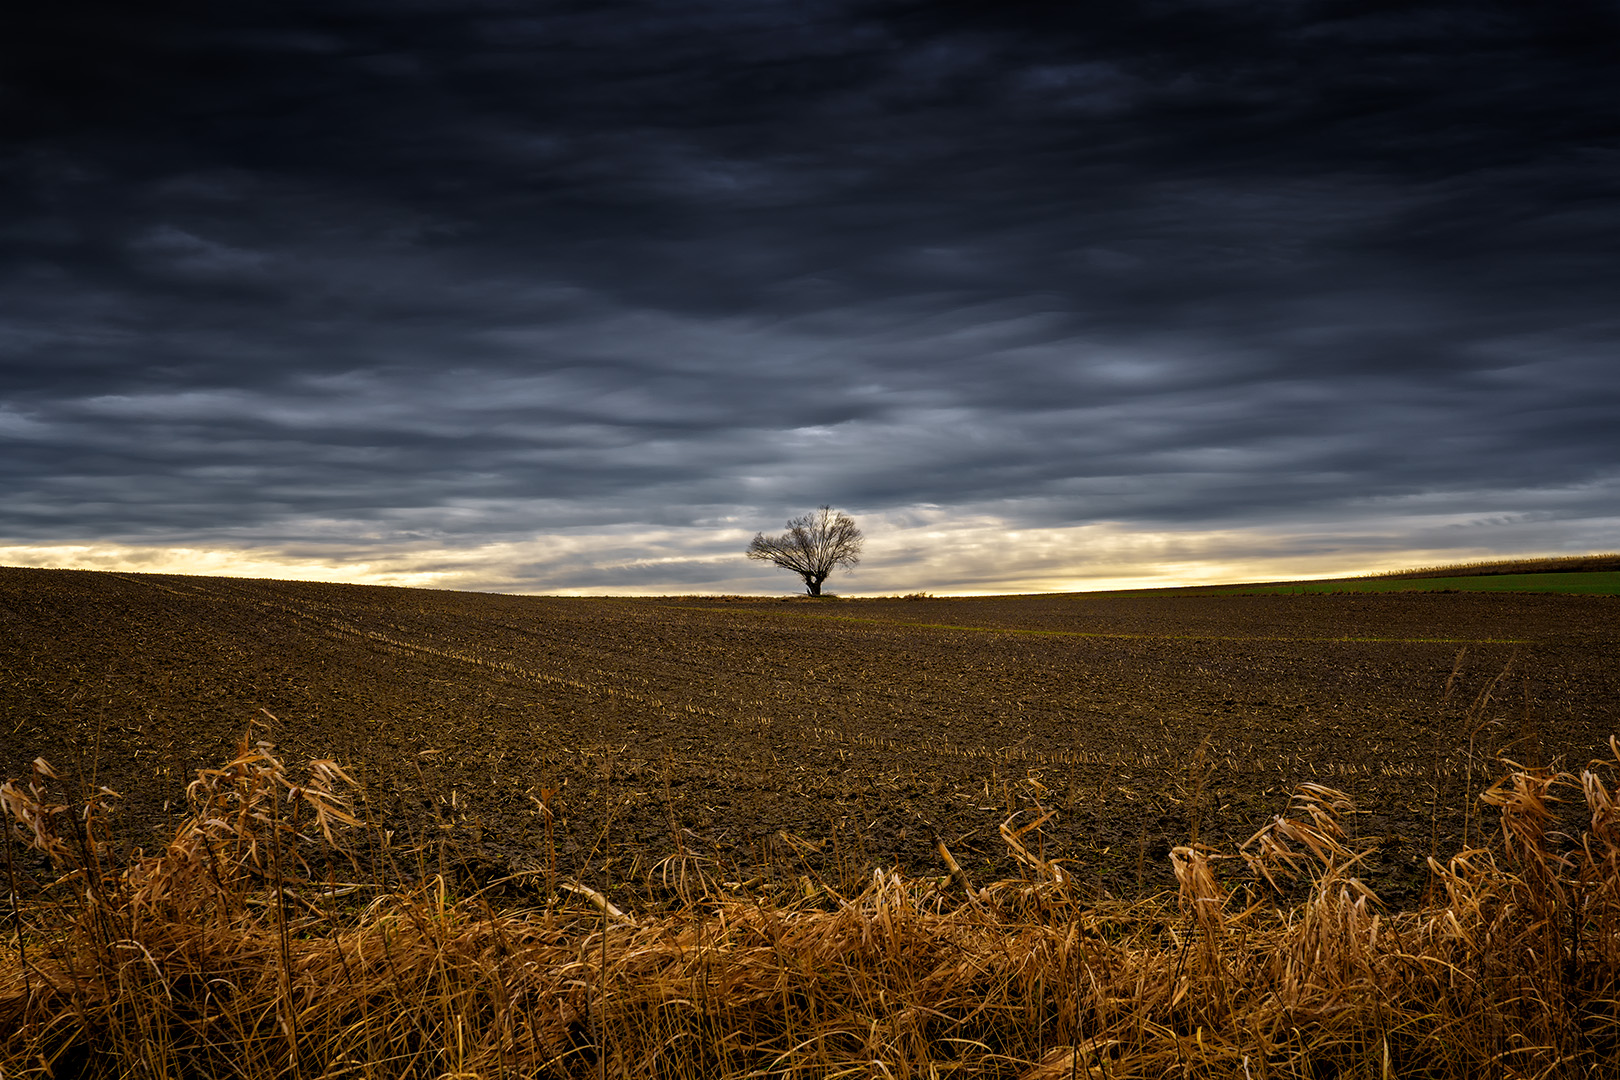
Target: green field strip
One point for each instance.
(1108, 635)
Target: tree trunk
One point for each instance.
(812, 586)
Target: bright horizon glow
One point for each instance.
(204, 562)
(971, 560)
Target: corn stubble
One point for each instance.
(238, 951)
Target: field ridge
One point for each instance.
(1550, 564)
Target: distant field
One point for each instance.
(1604, 583)
(1560, 564)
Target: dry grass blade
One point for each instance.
(598, 901)
(1048, 870)
(31, 816)
(1314, 827)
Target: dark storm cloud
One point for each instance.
(279, 273)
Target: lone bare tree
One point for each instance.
(812, 546)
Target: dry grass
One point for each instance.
(278, 935)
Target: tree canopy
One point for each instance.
(812, 546)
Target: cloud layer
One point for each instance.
(560, 297)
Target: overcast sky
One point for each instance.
(547, 297)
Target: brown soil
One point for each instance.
(815, 738)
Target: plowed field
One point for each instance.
(791, 738)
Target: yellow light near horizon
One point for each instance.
(209, 562)
(978, 560)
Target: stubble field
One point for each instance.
(782, 740)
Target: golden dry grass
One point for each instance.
(277, 935)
